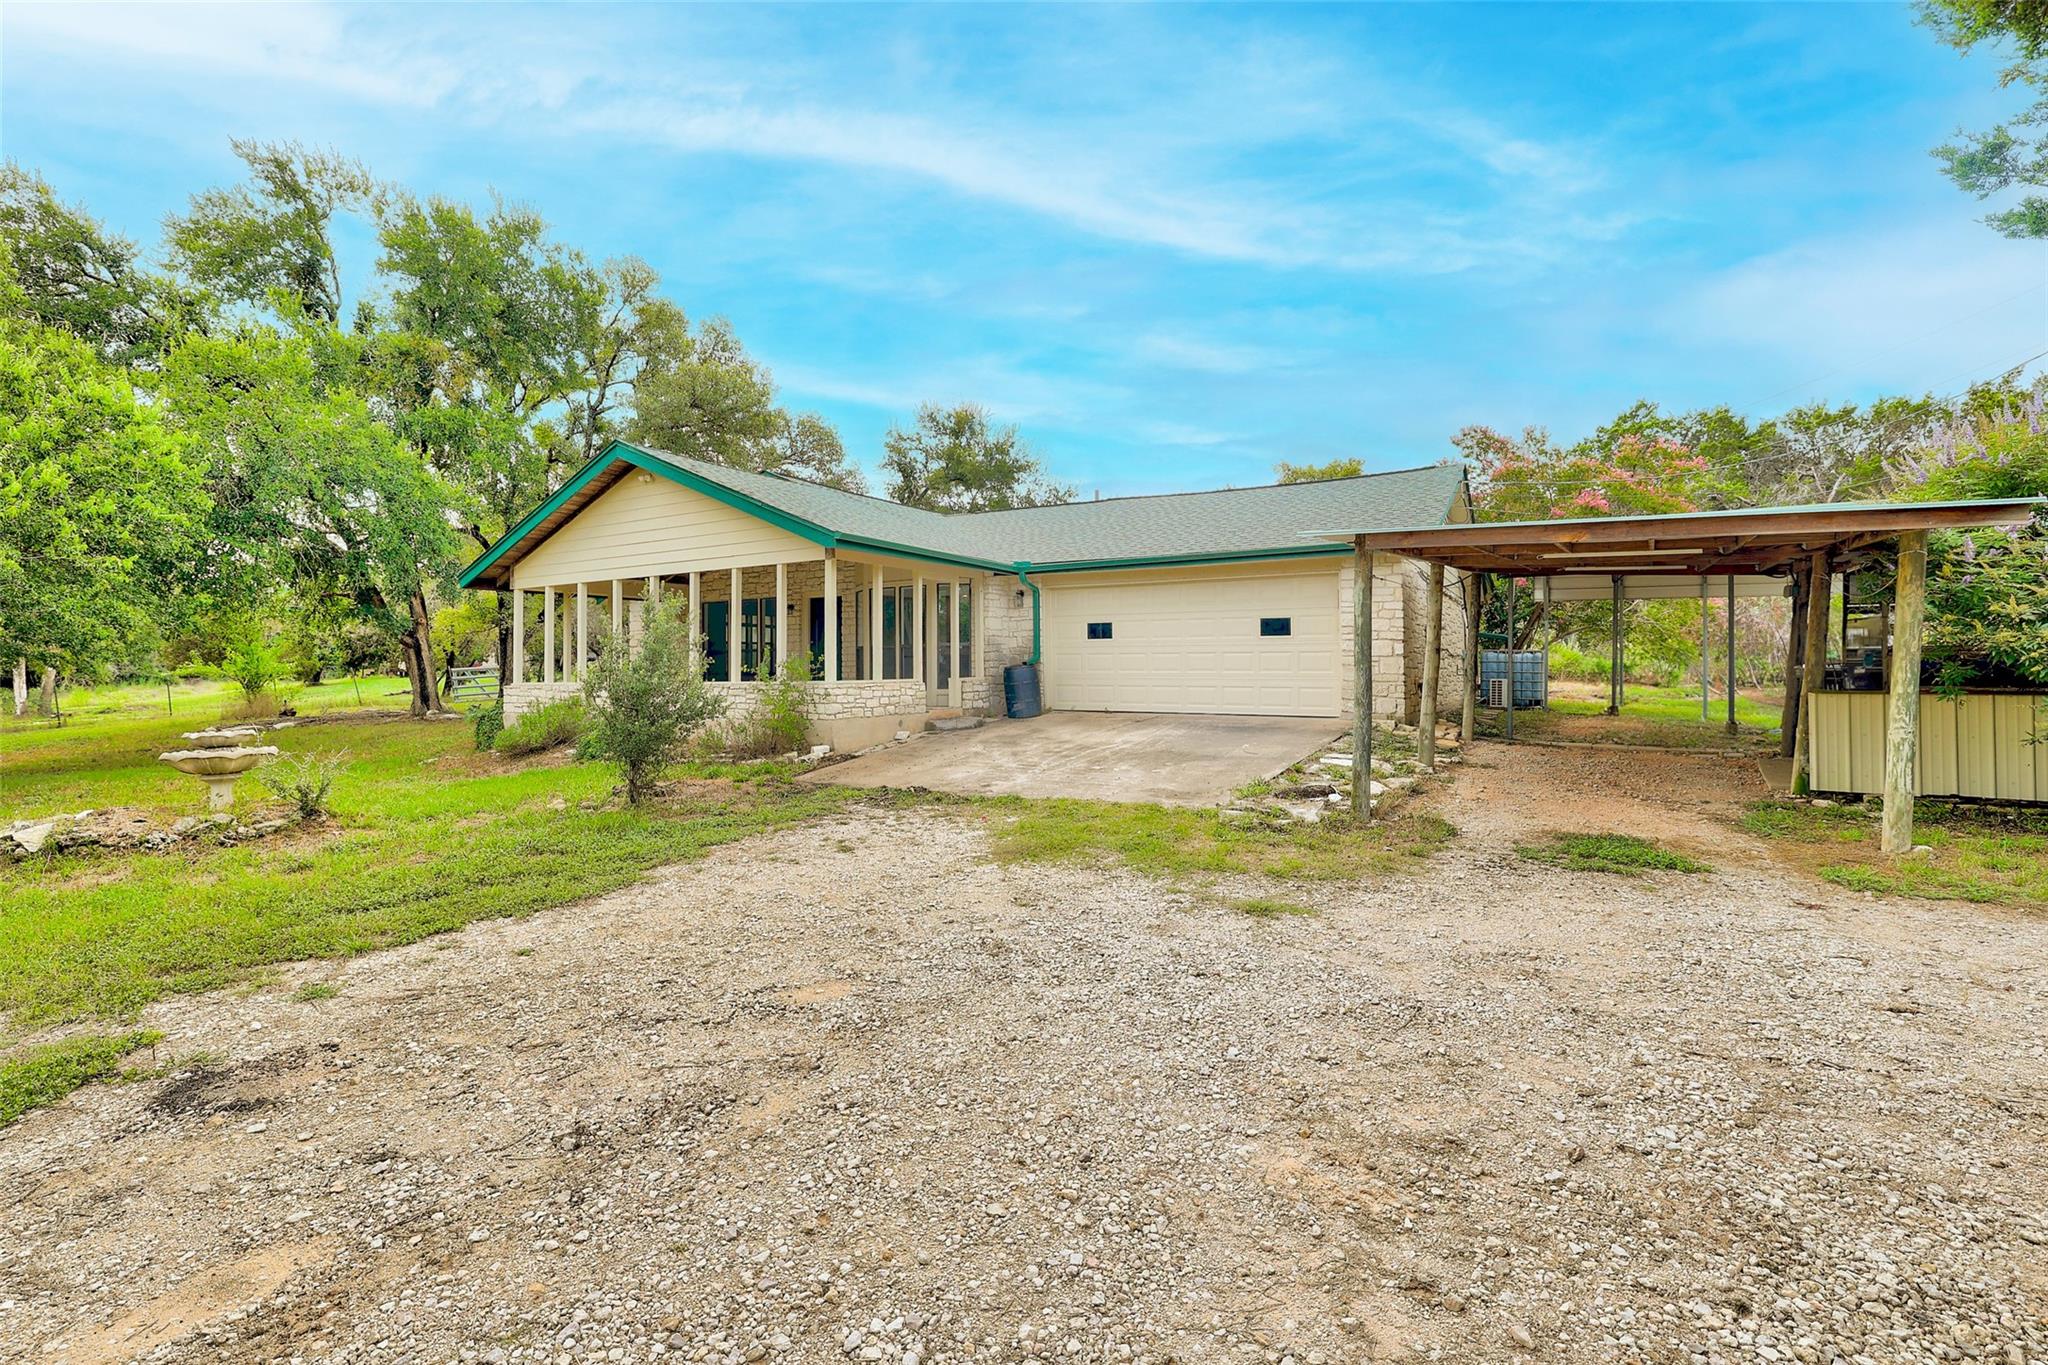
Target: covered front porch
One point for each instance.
(886, 641)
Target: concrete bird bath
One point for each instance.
(217, 758)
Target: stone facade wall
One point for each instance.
(522, 697)
(1400, 603)
(1391, 695)
(1004, 619)
(844, 715)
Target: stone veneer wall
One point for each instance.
(1005, 623)
(1391, 693)
(1400, 603)
(844, 715)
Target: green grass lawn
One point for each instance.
(195, 702)
(427, 835)
(1667, 717)
(1989, 856)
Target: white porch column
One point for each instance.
(547, 635)
(875, 624)
(781, 616)
(518, 635)
(831, 617)
(733, 670)
(696, 590)
(917, 631)
(582, 628)
(618, 612)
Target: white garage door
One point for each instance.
(1263, 645)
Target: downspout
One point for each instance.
(1024, 577)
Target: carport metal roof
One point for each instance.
(1756, 540)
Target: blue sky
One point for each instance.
(1173, 244)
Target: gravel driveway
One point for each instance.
(850, 1092)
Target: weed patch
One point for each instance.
(1168, 841)
(1622, 854)
(48, 1072)
(1269, 907)
(1988, 855)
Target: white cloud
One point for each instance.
(1176, 165)
(1924, 306)
(301, 45)
(1186, 351)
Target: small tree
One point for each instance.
(644, 704)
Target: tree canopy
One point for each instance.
(2012, 154)
(953, 460)
(99, 507)
(1311, 473)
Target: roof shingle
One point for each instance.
(1224, 523)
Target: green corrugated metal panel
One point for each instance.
(1226, 524)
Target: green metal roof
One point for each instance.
(1227, 524)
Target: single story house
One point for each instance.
(1219, 602)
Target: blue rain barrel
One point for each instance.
(1530, 667)
(1020, 691)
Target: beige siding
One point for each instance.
(1993, 747)
(649, 525)
(1187, 640)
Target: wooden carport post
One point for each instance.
(1902, 715)
(1614, 653)
(1813, 664)
(1731, 654)
(1361, 681)
(1432, 647)
(1468, 723)
(1508, 724)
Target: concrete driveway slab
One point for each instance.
(1174, 760)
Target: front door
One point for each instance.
(950, 653)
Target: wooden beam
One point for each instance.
(1902, 716)
(1361, 682)
(1830, 524)
(1508, 717)
(1468, 724)
(1795, 656)
(1614, 653)
(1731, 654)
(1812, 667)
(1432, 652)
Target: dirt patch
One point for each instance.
(856, 1091)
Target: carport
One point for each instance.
(1636, 552)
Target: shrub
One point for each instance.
(780, 720)
(486, 723)
(305, 780)
(645, 704)
(548, 727)
(252, 665)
